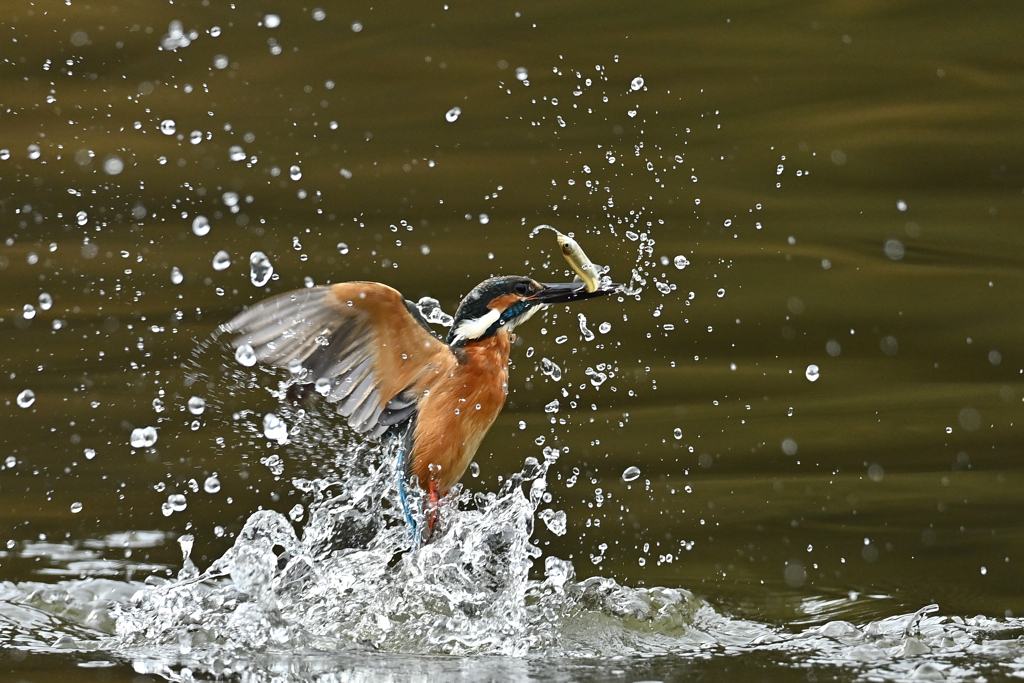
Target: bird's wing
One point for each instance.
(358, 341)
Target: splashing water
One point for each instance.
(260, 269)
(348, 592)
(431, 309)
(279, 605)
(351, 580)
(349, 595)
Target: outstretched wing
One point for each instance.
(358, 341)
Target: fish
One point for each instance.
(577, 259)
(579, 262)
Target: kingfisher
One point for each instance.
(364, 347)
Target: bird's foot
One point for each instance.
(431, 508)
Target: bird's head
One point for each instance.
(506, 301)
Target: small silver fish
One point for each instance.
(579, 262)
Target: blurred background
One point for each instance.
(819, 381)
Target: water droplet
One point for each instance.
(168, 127)
(28, 311)
(342, 248)
(794, 574)
(677, 433)
(260, 269)
(680, 262)
(452, 115)
(113, 165)
(637, 83)
(789, 446)
(230, 199)
(631, 473)
(833, 348)
(319, 14)
(82, 217)
(295, 173)
(551, 369)
(597, 378)
(26, 398)
(220, 62)
(34, 152)
(484, 219)
(212, 484)
(890, 346)
(76, 508)
(176, 276)
(356, 27)
(604, 328)
(200, 225)
(812, 372)
(584, 330)
(221, 260)
(143, 437)
(196, 405)
(46, 303)
(195, 137)
(245, 355)
(521, 73)
(474, 469)
(721, 293)
(272, 21)
(90, 453)
(5, 154)
(177, 502)
(555, 521)
(901, 205)
(895, 250)
(522, 425)
(551, 407)
(236, 153)
(274, 428)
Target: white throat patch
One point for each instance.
(476, 327)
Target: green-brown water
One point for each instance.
(845, 182)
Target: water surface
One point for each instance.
(842, 183)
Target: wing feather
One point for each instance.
(376, 357)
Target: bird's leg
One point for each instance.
(433, 500)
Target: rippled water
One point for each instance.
(802, 427)
(349, 593)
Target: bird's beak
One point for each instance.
(559, 293)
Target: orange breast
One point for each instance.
(460, 408)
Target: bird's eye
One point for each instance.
(522, 288)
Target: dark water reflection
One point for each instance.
(845, 182)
